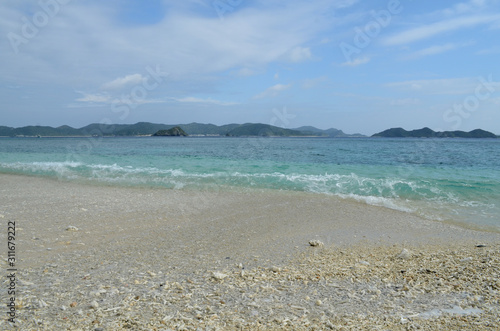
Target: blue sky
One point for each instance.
(359, 66)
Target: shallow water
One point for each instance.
(456, 180)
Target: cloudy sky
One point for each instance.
(359, 66)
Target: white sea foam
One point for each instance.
(380, 201)
(429, 199)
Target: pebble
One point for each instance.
(389, 292)
(218, 275)
(404, 255)
(315, 243)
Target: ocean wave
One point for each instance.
(326, 183)
(431, 198)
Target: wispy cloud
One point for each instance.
(462, 8)
(183, 42)
(452, 86)
(206, 101)
(356, 62)
(431, 30)
(123, 82)
(437, 49)
(272, 91)
(94, 97)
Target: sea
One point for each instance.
(446, 180)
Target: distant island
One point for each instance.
(192, 129)
(228, 130)
(428, 133)
(173, 132)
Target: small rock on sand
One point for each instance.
(218, 275)
(405, 254)
(315, 243)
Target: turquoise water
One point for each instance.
(456, 180)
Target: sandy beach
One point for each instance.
(94, 257)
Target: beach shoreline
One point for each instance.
(140, 248)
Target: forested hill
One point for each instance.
(428, 133)
(148, 129)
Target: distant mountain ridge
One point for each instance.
(332, 133)
(263, 130)
(428, 133)
(148, 129)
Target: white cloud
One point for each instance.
(273, 91)
(94, 98)
(184, 42)
(206, 101)
(123, 82)
(431, 30)
(107, 98)
(356, 62)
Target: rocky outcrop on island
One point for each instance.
(428, 133)
(173, 132)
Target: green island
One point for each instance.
(428, 133)
(154, 129)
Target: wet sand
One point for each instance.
(167, 259)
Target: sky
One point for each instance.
(358, 66)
